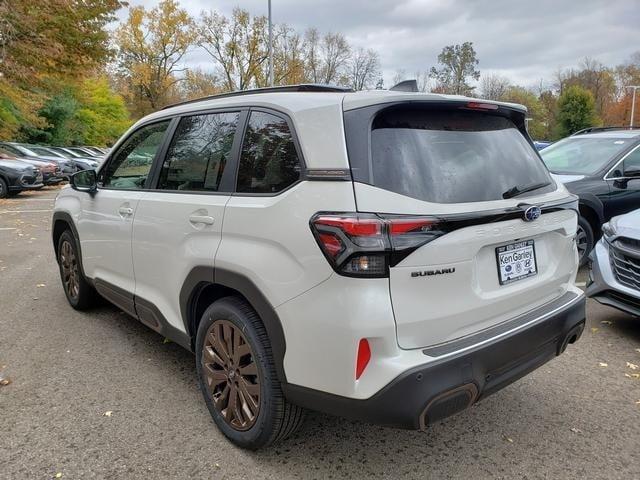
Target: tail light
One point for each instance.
(366, 245)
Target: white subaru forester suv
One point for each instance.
(386, 256)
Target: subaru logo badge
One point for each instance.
(532, 213)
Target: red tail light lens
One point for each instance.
(366, 245)
(363, 357)
(482, 106)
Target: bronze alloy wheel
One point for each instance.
(231, 374)
(70, 272)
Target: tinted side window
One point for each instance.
(199, 152)
(269, 162)
(130, 165)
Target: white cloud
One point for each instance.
(523, 40)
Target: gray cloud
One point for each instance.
(524, 40)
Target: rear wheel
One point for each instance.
(584, 240)
(238, 379)
(80, 294)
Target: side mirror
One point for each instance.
(84, 181)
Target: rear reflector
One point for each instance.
(363, 357)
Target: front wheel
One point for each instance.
(584, 240)
(238, 378)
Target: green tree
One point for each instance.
(88, 113)
(576, 110)
(43, 43)
(536, 113)
(102, 113)
(457, 64)
(60, 126)
(151, 46)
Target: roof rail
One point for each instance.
(602, 129)
(303, 87)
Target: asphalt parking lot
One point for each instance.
(98, 395)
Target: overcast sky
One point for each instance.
(524, 40)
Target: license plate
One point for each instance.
(516, 261)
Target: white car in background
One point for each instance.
(614, 278)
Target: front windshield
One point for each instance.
(582, 155)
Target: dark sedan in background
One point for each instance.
(20, 150)
(16, 176)
(602, 167)
(51, 173)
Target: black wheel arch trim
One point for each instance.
(203, 276)
(66, 218)
(594, 203)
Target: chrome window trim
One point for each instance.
(607, 177)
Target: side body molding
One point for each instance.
(202, 277)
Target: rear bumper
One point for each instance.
(440, 388)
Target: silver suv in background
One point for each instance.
(614, 278)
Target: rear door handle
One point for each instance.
(125, 211)
(204, 219)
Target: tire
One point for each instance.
(80, 294)
(269, 418)
(4, 190)
(584, 240)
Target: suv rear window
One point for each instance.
(450, 156)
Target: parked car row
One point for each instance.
(601, 166)
(53, 165)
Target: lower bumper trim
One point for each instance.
(433, 391)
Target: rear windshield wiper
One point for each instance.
(519, 190)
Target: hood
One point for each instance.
(565, 178)
(627, 225)
(15, 164)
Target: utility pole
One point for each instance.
(271, 50)
(633, 102)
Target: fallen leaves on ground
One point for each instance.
(576, 430)
(606, 322)
(108, 413)
(594, 329)
(632, 366)
(603, 364)
(632, 375)
(4, 380)
(40, 285)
